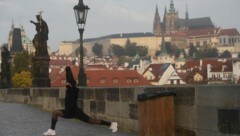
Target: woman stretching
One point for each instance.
(71, 110)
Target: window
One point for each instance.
(220, 40)
(129, 80)
(115, 81)
(178, 81)
(172, 82)
(224, 40)
(135, 80)
(102, 81)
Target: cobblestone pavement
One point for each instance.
(24, 120)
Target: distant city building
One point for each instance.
(15, 40)
(162, 74)
(26, 42)
(137, 64)
(212, 71)
(67, 48)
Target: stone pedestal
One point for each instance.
(41, 71)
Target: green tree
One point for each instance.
(192, 50)
(207, 52)
(130, 48)
(22, 61)
(142, 51)
(118, 50)
(225, 54)
(77, 51)
(123, 59)
(172, 49)
(22, 80)
(97, 49)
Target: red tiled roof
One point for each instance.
(178, 34)
(215, 64)
(157, 70)
(183, 76)
(56, 62)
(192, 64)
(201, 32)
(54, 73)
(231, 31)
(105, 78)
(96, 67)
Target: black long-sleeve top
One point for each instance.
(71, 99)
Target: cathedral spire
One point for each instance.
(156, 13)
(186, 15)
(12, 27)
(164, 20)
(157, 23)
(172, 9)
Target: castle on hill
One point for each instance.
(180, 31)
(172, 22)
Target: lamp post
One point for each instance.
(81, 11)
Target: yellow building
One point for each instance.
(67, 48)
(153, 43)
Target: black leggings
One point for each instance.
(77, 113)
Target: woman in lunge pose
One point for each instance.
(71, 110)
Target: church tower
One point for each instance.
(157, 23)
(10, 37)
(171, 18)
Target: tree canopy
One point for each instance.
(118, 50)
(97, 49)
(130, 49)
(22, 61)
(22, 79)
(192, 50)
(225, 54)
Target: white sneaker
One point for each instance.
(50, 132)
(113, 127)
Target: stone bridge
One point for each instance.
(200, 110)
(25, 120)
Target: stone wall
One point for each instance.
(208, 110)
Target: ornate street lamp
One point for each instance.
(81, 11)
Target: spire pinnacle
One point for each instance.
(12, 23)
(172, 9)
(157, 10)
(186, 14)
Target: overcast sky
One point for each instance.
(108, 16)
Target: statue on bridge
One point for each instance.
(6, 80)
(41, 58)
(40, 39)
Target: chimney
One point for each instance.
(201, 62)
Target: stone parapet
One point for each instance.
(199, 110)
